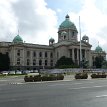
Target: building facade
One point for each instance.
(26, 56)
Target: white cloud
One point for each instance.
(35, 21)
(93, 20)
(8, 21)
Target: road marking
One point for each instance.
(78, 83)
(16, 83)
(89, 87)
(3, 80)
(69, 84)
(101, 96)
(56, 84)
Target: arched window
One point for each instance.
(46, 62)
(28, 61)
(40, 62)
(73, 34)
(40, 54)
(51, 62)
(18, 61)
(34, 62)
(34, 54)
(51, 55)
(46, 55)
(18, 52)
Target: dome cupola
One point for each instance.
(98, 49)
(18, 39)
(51, 41)
(85, 38)
(67, 24)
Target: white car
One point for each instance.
(11, 72)
(5, 72)
(18, 72)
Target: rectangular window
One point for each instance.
(28, 62)
(18, 52)
(46, 55)
(34, 54)
(28, 53)
(18, 61)
(40, 54)
(51, 55)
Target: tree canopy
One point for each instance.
(65, 62)
(99, 61)
(4, 62)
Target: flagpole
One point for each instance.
(80, 43)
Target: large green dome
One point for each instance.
(98, 49)
(18, 39)
(67, 24)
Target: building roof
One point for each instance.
(67, 24)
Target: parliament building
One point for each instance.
(26, 56)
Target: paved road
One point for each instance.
(76, 93)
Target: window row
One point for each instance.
(40, 54)
(34, 62)
(35, 54)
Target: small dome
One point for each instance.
(51, 40)
(85, 37)
(18, 39)
(67, 24)
(98, 49)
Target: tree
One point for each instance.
(104, 64)
(99, 61)
(65, 62)
(4, 62)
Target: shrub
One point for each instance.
(52, 77)
(78, 76)
(37, 78)
(31, 78)
(44, 78)
(98, 75)
(60, 77)
(26, 78)
(94, 76)
(81, 76)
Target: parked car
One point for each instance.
(4, 72)
(18, 72)
(11, 72)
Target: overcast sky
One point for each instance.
(38, 20)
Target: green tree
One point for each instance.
(99, 61)
(65, 62)
(4, 62)
(104, 64)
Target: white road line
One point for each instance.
(56, 84)
(101, 96)
(78, 83)
(68, 84)
(88, 87)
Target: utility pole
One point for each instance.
(80, 44)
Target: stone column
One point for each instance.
(85, 54)
(23, 62)
(73, 54)
(14, 61)
(78, 55)
(31, 58)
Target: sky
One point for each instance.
(38, 20)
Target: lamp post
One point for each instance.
(80, 44)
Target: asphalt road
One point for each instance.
(76, 93)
